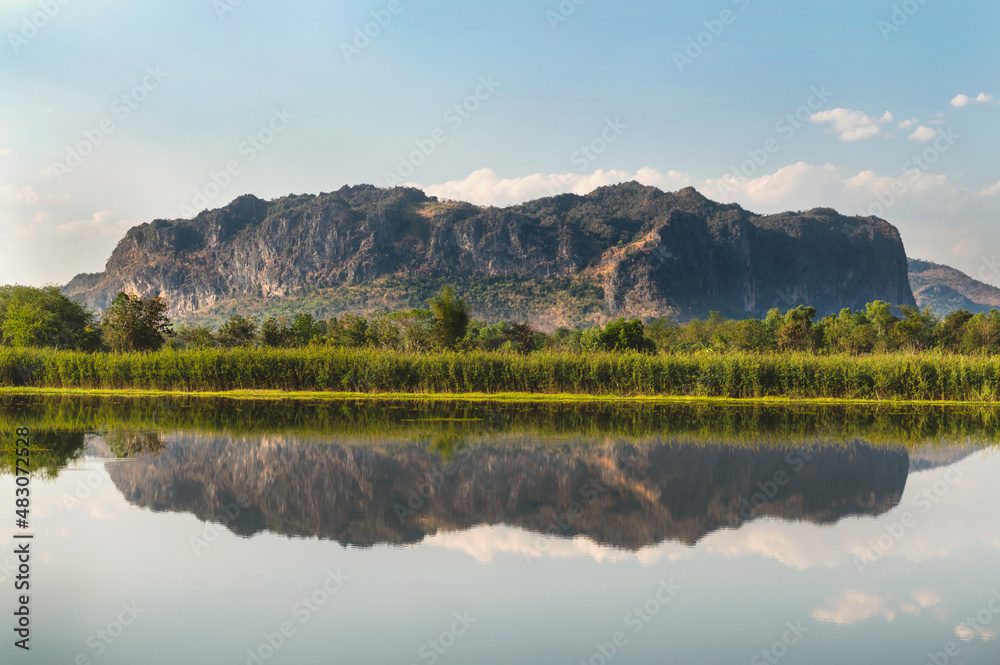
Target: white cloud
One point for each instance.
(967, 633)
(485, 187)
(22, 195)
(992, 190)
(938, 219)
(484, 542)
(103, 223)
(906, 124)
(853, 607)
(938, 119)
(964, 100)
(924, 134)
(852, 125)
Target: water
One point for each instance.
(195, 531)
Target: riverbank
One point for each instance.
(912, 378)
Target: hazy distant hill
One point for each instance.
(623, 250)
(946, 289)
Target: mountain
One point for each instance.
(946, 289)
(623, 250)
(626, 495)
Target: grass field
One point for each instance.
(891, 377)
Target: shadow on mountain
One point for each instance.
(624, 494)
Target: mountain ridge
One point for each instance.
(624, 250)
(945, 289)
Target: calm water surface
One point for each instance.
(273, 532)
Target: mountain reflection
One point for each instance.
(620, 493)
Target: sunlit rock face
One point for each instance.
(626, 250)
(621, 494)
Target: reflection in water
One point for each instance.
(626, 495)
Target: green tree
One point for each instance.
(237, 331)
(798, 333)
(751, 335)
(275, 333)
(132, 323)
(304, 328)
(44, 317)
(620, 335)
(450, 318)
(915, 331)
(196, 337)
(982, 333)
(951, 330)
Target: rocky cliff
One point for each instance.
(623, 250)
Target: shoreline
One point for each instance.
(512, 397)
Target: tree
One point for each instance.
(133, 323)
(197, 337)
(915, 330)
(304, 328)
(276, 333)
(451, 320)
(620, 335)
(44, 317)
(751, 335)
(237, 331)
(880, 315)
(798, 333)
(951, 330)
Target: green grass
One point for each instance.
(897, 377)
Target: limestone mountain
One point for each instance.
(623, 250)
(946, 289)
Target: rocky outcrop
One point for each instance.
(649, 252)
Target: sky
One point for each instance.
(115, 113)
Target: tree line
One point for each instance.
(45, 318)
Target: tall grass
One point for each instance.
(897, 376)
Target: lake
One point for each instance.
(186, 530)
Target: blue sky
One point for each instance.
(165, 97)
